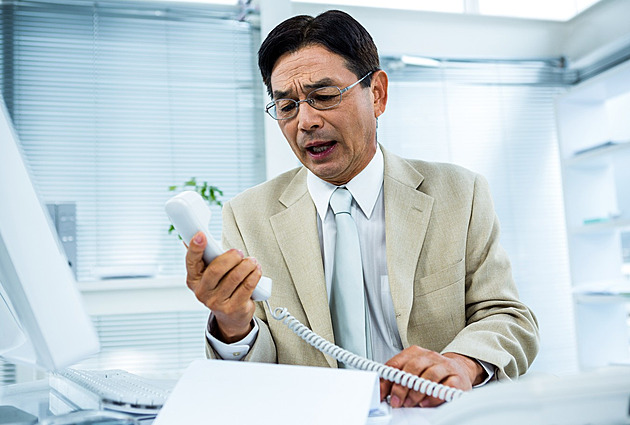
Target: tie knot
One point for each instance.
(340, 200)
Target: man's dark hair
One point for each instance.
(334, 30)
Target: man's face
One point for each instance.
(335, 144)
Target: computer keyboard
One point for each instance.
(110, 389)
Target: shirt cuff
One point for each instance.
(236, 350)
(490, 371)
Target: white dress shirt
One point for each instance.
(368, 211)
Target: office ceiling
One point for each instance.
(555, 10)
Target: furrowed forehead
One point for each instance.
(309, 68)
(307, 87)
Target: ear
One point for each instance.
(379, 92)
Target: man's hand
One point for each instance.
(225, 286)
(449, 369)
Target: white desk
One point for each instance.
(34, 398)
(31, 397)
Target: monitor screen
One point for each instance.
(43, 320)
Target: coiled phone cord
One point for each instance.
(389, 373)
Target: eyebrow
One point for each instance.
(324, 82)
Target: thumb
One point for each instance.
(198, 242)
(194, 256)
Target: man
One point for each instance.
(437, 296)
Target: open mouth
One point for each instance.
(321, 149)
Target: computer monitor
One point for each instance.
(42, 318)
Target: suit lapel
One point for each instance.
(407, 213)
(296, 232)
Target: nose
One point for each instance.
(308, 117)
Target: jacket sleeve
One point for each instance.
(499, 329)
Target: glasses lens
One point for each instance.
(324, 97)
(283, 109)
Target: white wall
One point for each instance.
(598, 31)
(442, 35)
(601, 28)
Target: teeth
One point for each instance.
(319, 149)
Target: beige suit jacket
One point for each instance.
(450, 280)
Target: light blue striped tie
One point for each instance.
(347, 299)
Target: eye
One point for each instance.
(324, 97)
(285, 105)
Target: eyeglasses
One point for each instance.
(321, 98)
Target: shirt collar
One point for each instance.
(364, 187)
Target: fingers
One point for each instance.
(386, 387)
(434, 372)
(253, 272)
(230, 300)
(238, 277)
(415, 361)
(429, 365)
(451, 381)
(229, 275)
(397, 362)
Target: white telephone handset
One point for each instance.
(190, 214)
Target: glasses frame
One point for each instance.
(309, 101)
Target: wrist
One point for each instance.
(230, 334)
(475, 371)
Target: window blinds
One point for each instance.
(498, 119)
(150, 344)
(116, 101)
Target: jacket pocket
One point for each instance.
(441, 279)
(438, 312)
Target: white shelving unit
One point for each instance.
(594, 136)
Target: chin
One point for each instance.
(323, 174)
